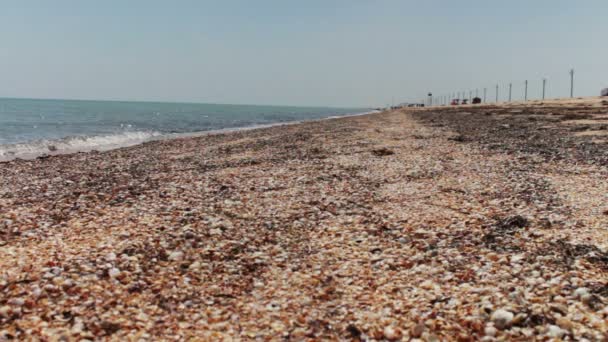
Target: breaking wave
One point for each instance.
(33, 149)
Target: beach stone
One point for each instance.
(195, 266)
(502, 318)
(392, 333)
(564, 323)
(16, 302)
(176, 256)
(490, 331)
(36, 292)
(556, 332)
(77, 328)
(5, 311)
(114, 272)
(581, 292)
(417, 330)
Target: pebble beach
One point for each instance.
(434, 224)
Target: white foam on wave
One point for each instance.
(34, 149)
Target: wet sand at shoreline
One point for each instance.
(459, 223)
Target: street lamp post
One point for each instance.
(571, 83)
(544, 87)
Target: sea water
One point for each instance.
(30, 128)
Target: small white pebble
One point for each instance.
(392, 333)
(5, 311)
(176, 256)
(555, 331)
(77, 328)
(36, 292)
(581, 292)
(195, 266)
(111, 257)
(114, 272)
(49, 287)
(502, 318)
(142, 317)
(16, 302)
(490, 331)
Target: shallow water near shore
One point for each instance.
(30, 127)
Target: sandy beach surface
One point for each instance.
(439, 224)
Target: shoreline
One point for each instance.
(153, 136)
(452, 223)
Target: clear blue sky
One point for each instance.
(313, 52)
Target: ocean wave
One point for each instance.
(73, 144)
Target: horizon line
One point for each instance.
(179, 102)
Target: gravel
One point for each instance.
(377, 227)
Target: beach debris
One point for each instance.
(511, 223)
(458, 138)
(381, 152)
(354, 332)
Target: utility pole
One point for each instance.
(571, 83)
(510, 90)
(485, 92)
(544, 87)
(526, 92)
(470, 96)
(477, 92)
(497, 93)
